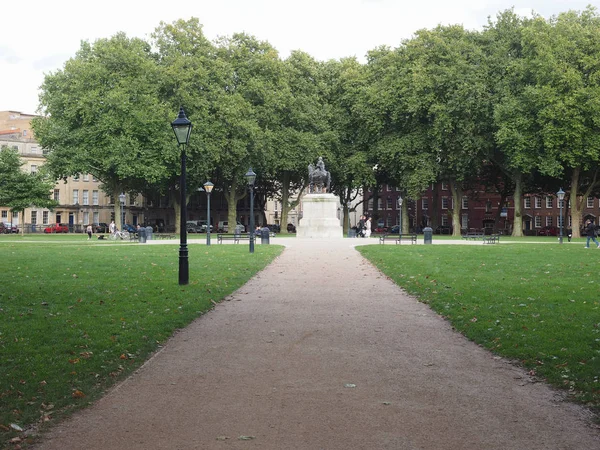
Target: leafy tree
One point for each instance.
(103, 116)
(20, 190)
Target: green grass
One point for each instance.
(536, 304)
(76, 316)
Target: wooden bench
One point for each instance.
(412, 237)
(163, 236)
(232, 237)
(473, 236)
(491, 239)
(398, 238)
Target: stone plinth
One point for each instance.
(319, 217)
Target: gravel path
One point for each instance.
(325, 353)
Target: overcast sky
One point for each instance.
(40, 35)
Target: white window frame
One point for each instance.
(549, 202)
(95, 196)
(444, 186)
(527, 202)
(590, 202)
(445, 203)
(465, 203)
(86, 197)
(537, 221)
(424, 203)
(548, 221)
(76, 196)
(537, 202)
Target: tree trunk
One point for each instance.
(232, 198)
(285, 195)
(517, 200)
(457, 199)
(176, 202)
(576, 202)
(405, 219)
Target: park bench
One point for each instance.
(398, 238)
(491, 239)
(163, 236)
(412, 237)
(232, 237)
(473, 235)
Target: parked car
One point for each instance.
(395, 229)
(203, 226)
(100, 227)
(193, 226)
(223, 227)
(548, 231)
(57, 228)
(7, 228)
(291, 228)
(129, 228)
(275, 228)
(380, 229)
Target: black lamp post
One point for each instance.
(208, 187)
(251, 177)
(122, 201)
(400, 201)
(561, 196)
(182, 128)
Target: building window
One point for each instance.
(96, 215)
(15, 214)
(465, 221)
(86, 177)
(560, 221)
(33, 217)
(527, 202)
(444, 186)
(465, 203)
(45, 217)
(380, 203)
(537, 202)
(445, 203)
(590, 202)
(388, 202)
(4, 214)
(95, 198)
(370, 204)
(76, 177)
(76, 196)
(561, 203)
(424, 203)
(33, 169)
(94, 178)
(548, 202)
(57, 195)
(86, 218)
(389, 188)
(388, 221)
(548, 221)
(86, 197)
(445, 220)
(538, 221)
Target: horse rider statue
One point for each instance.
(319, 179)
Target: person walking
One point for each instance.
(112, 227)
(89, 230)
(590, 230)
(360, 228)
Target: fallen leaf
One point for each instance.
(246, 438)
(77, 394)
(349, 385)
(16, 427)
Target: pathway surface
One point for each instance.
(325, 353)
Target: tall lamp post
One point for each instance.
(251, 177)
(561, 196)
(400, 201)
(122, 200)
(208, 187)
(182, 128)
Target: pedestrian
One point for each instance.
(89, 230)
(360, 227)
(112, 227)
(590, 231)
(368, 228)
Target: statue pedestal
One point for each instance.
(319, 217)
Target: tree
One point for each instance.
(20, 190)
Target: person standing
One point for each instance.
(360, 227)
(112, 227)
(89, 230)
(590, 230)
(368, 228)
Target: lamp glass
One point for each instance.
(122, 198)
(182, 127)
(208, 187)
(250, 177)
(560, 194)
(400, 201)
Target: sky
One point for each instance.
(40, 36)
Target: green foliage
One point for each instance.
(535, 304)
(77, 327)
(20, 190)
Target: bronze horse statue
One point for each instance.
(319, 179)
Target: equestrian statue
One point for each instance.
(319, 179)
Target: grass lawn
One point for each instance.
(76, 316)
(538, 304)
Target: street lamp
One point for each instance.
(208, 187)
(561, 196)
(400, 201)
(122, 200)
(182, 128)
(251, 177)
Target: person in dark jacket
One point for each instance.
(590, 231)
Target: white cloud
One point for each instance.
(326, 29)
